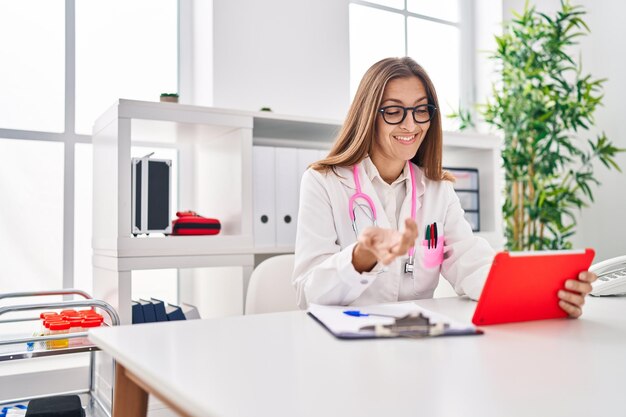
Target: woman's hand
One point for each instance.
(386, 244)
(573, 296)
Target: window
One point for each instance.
(32, 70)
(433, 33)
(65, 62)
(31, 215)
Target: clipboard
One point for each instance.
(523, 286)
(387, 321)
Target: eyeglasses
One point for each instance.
(394, 115)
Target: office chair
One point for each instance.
(270, 289)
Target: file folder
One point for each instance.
(305, 158)
(137, 313)
(287, 184)
(264, 196)
(174, 312)
(190, 312)
(159, 309)
(149, 314)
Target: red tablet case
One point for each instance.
(523, 286)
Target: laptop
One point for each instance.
(523, 286)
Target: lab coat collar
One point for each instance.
(372, 171)
(346, 177)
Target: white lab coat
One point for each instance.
(323, 270)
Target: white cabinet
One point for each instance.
(224, 158)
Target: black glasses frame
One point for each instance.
(431, 113)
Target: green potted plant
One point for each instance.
(169, 97)
(544, 105)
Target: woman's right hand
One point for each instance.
(383, 245)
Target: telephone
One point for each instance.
(611, 277)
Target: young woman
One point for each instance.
(379, 220)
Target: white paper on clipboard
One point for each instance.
(346, 326)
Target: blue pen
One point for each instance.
(357, 313)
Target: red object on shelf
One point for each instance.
(190, 223)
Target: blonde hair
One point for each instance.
(357, 134)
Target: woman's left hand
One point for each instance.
(573, 296)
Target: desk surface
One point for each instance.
(286, 364)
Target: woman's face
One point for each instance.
(396, 144)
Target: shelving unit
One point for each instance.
(214, 174)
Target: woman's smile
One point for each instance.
(406, 139)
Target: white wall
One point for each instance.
(488, 16)
(603, 225)
(291, 56)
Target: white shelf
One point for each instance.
(471, 141)
(137, 263)
(157, 246)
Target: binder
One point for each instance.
(174, 312)
(287, 184)
(190, 312)
(305, 158)
(159, 309)
(149, 314)
(137, 313)
(264, 195)
(387, 321)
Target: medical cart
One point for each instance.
(26, 345)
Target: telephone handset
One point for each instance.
(611, 277)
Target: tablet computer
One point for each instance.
(524, 286)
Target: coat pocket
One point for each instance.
(433, 255)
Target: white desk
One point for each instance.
(286, 364)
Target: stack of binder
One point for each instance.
(466, 187)
(154, 310)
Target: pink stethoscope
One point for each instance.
(408, 266)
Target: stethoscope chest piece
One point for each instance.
(408, 266)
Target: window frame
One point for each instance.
(70, 138)
(467, 61)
